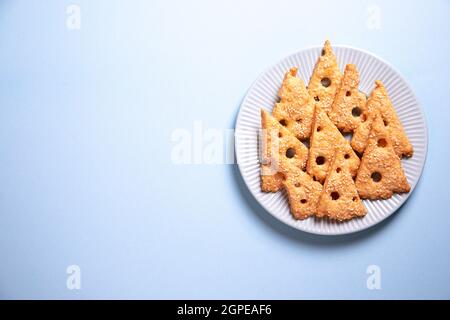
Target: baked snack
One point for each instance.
(379, 100)
(325, 138)
(303, 193)
(284, 159)
(329, 180)
(339, 199)
(279, 147)
(296, 107)
(380, 173)
(347, 110)
(325, 79)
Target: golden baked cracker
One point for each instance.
(271, 182)
(280, 148)
(325, 138)
(379, 100)
(339, 199)
(361, 133)
(296, 107)
(326, 78)
(380, 173)
(303, 193)
(347, 110)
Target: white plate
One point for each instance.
(263, 94)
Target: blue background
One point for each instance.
(86, 118)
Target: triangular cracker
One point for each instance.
(326, 78)
(303, 193)
(347, 110)
(296, 107)
(361, 133)
(325, 138)
(339, 199)
(380, 174)
(280, 148)
(379, 100)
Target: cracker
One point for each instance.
(347, 110)
(361, 133)
(325, 138)
(326, 78)
(303, 193)
(279, 149)
(379, 100)
(380, 174)
(296, 107)
(339, 199)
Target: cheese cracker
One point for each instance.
(326, 78)
(380, 173)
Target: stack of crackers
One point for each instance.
(303, 149)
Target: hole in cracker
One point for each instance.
(305, 142)
(290, 153)
(298, 120)
(334, 195)
(320, 160)
(348, 93)
(303, 201)
(356, 111)
(316, 98)
(280, 135)
(363, 117)
(319, 129)
(323, 52)
(338, 170)
(376, 176)
(382, 142)
(278, 175)
(283, 122)
(386, 123)
(325, 82)
(347, 156)
(355, 198)
(297, 185)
